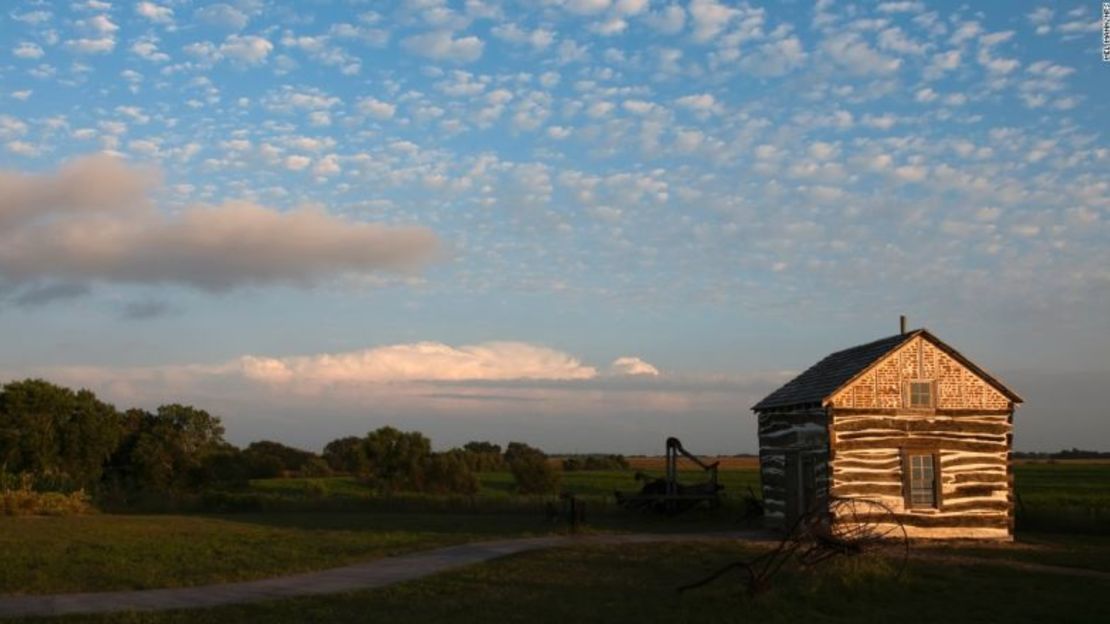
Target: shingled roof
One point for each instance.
(824, 378)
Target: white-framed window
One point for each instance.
(920, 394)
(922, 480)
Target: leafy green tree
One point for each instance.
(55, 433)
(448, 473)
(531, 470)
(482, 447)
(171, 447)
(316, 467)
(347, 455)
(397, 458)
(483, 457)
(272, 459)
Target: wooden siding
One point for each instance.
(790, 434)
(975, 482)
(883, 386)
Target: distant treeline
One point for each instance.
(54, 439)
(594, 462)
(1065, 454)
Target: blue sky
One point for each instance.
(585, 223)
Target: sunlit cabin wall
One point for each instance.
(970, 429)
(798, 432)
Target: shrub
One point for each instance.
(315, 467)
(532, 473)
(273, 459)
(396, 458)
(448, 473)
(347, 455)
(23, 500)
(595, 462)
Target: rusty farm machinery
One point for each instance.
(841, 528)
(666, 495)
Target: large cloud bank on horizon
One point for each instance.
(91, 221)
(422, 361)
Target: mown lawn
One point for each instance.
(637, 584)
(102, 552)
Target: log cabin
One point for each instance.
(906, 421)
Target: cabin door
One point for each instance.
(801, 485)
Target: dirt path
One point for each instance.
(368, 575)
(391, 570)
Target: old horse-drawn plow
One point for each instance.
(846, 527)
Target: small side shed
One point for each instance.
(906, 421)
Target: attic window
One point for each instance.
(921, 394)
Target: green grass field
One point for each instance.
(1052, 496)
(102, 552)
(637, 583)
(308, 524)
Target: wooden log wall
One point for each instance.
(801, 431)
(974, 472)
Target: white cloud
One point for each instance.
(964, 32)
(147, 49)
(442, 45)
(223, 16)
(670, 20)
(91, 221)
(11, 127)
(27, 50)
(911, 173)
(587, 7)
(630, 7)
(986, 55)
(155, 13)
(710, 18)
(925, 95)
(539, 39)
(700, 102)
(855, 55)
(901, 7)
(558, 132)
(100, 24)
(421, 361)
(377, 108)
(1042, 19)
(327, 166)
(246, 50)
(609, 27)
(822, 150)
(100, 45)
(775, 58)
(629, 365)
(23, 148)
(33, 17)
(896, 40)
(297, 162)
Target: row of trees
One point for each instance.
(393, 460)
(69, 440)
